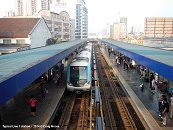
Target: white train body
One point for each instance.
(79, 71)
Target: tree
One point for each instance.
(52, 41)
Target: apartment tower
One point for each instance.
(81, 29)
(30, 7)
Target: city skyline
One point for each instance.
(134, 10)
(100, 13)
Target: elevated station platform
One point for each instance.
(18, 70)
(144, 101)
(16, 113)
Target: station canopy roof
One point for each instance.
(158, 60)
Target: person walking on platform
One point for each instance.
(171, 107)
(165, 110)
(142, 82)
(153, 86)
(151, 79)
(160, 98)
(109, 51)
(141, 69)
(62, 70)
(125, 64)
(57, 79)
(32, 102)
(43, 90)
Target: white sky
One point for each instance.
(101, 12)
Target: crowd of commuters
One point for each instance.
(163, 104)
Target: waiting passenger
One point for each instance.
(142, 82)
(32, 102)
(154, 86)
(165, 110)
(125, 64)
(43, 90)
(160, 99)
(171, 113)
(57, 78)
(151, 78)
(141, 69)
(109, 51)
(62, 70)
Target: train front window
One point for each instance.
(78, 75)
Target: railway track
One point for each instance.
(83, 115)
(73, 113)
(115, 111)
(66, 115)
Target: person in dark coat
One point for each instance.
(165, 110)
(42, 85)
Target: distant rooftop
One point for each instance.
(16, 27)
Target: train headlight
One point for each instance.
(70, 84)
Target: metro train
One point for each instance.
(79, 71)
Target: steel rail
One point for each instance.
(83, 115)
(65, 118)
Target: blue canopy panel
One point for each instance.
(14, 84)
(160, 68)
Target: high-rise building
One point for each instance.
(158, 27)
(124, 20)
(158, 32)
(118, 31)
(43, 5)
(19, 7)
(33, 6)
(30, 7)
(81, 30)
(26, 7)
(134, 30)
